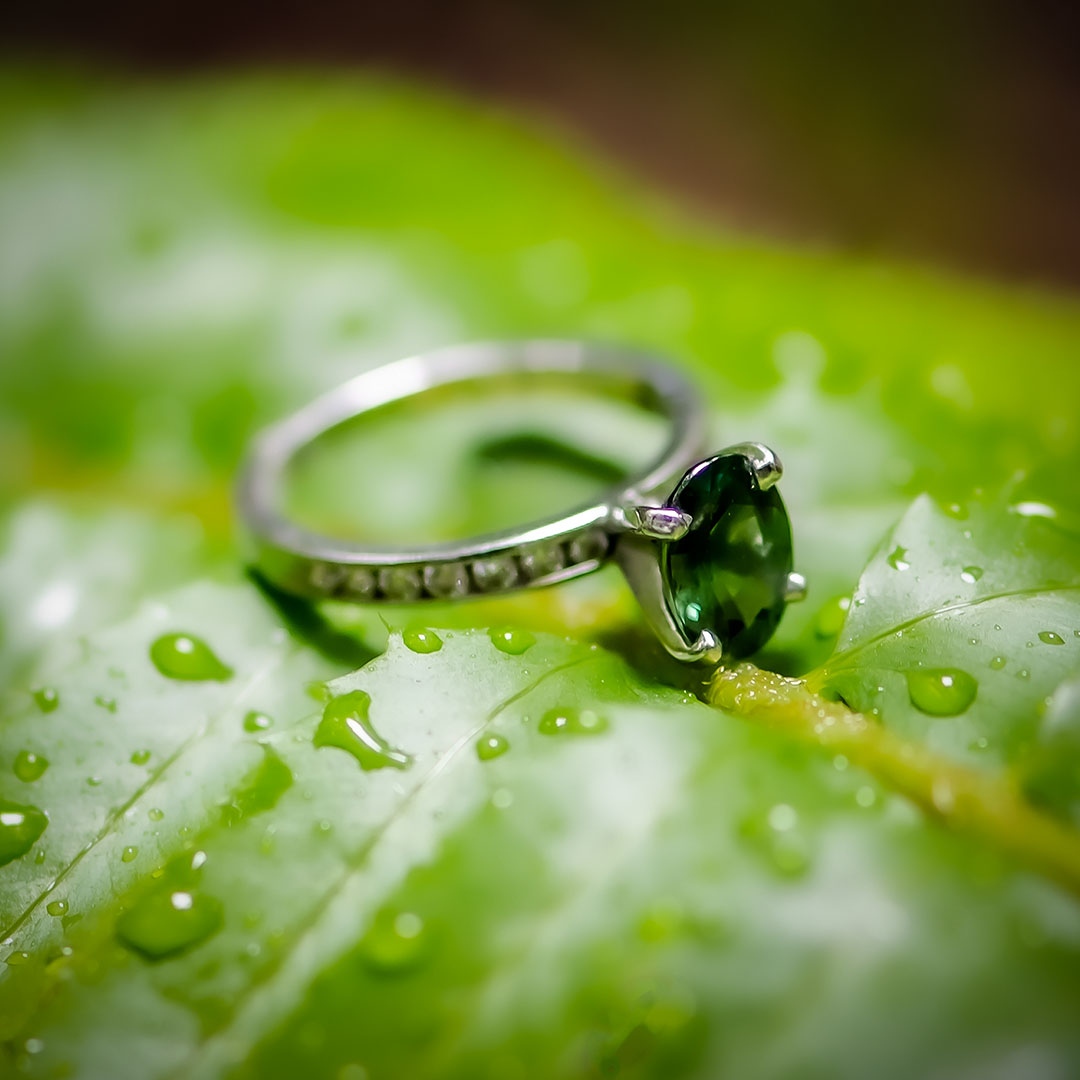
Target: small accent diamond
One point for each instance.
(588, 546)
(541, 560)
(400, 583)
(360, 584)
(446, 580)
(495, 573)
(326, 577)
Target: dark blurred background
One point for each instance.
(945, 131)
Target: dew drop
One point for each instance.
(941, 691)
(782, 817)
(345, 725)
(183, 656)
(898, 558)
(866, 797)
(20, 826)
(492, 746)
(998, 662)
(155, 814)
(17, 959)
(56, 908)
(257, 721)
(513, 642)
(422, 641)
(956, 510)
(140, 757)
(166, 922)
(129, 854)
(46, 699)
(106, 703)
(971, 574)
(830, 619)
(395, 944)
(29, 766)
(571, 722)
(1048, 637)
(1023, 673)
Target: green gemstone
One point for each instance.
(729, 573)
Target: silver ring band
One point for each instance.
(537, 553)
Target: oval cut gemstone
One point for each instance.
(729, 573)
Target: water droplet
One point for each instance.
(1048, 637)
(169, 921)
(782, 817)
(39, 857)
(34, 1046)
(981, 743)
(790, 855)
(259, 791)
(492, 746)
(502, 798)
(422, 641)
(941, 691)
(1034, 509)
(345, 724)
(29, 766)
(17, 959)
(571, 722)
(511, 641)
(1023, 673)
(20, 826)
(140, 757)
(971, 574)
(106, 703)
(898, 558)
(866, 797)
(998, 663)
(257, 721)
(155, 814)
(182, 656)
(57, 908)
(129, 854)
(395, 943)
(46, 699)
(830, 619)
(94, 781)
(956, 510)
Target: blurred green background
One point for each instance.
(855, 226)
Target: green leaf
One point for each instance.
(987, 591)
(560, 906)
(573, 868)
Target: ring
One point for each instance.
(704, 542)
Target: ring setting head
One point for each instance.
(722, 542)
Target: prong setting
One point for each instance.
(795, 589)
(661, 523)
(763, 460)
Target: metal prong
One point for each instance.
(765, 463)
(795, 588)
(657, 522)
(706, 648)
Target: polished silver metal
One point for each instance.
(796, 588)
(626, 523)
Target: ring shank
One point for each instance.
(539, 553)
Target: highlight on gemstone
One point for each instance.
(729, 573)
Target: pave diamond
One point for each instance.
(588, 547)
(445, 580)
(400, 583)
(542, 559)
(326, 578)
(495, 573)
